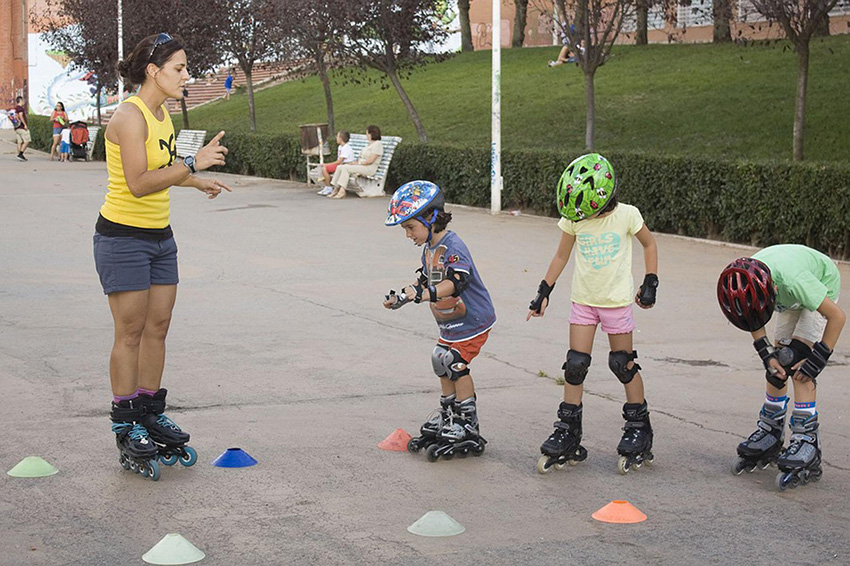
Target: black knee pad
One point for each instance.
(790, 353)
(618, 362)
(454, 365)
(575, 368)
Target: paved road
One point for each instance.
(279, 345)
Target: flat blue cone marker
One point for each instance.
(234, 458)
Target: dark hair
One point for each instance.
(610, 205)
(133, 67)
(442, 220)
(62, 105)
(19, 99)
(375, 132)
(344, 135)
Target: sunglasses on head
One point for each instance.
(161, 39)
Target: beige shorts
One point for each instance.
(23, 136)
(802, 323)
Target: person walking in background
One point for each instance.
(228, 85)
(22, 131)
(370, 159)
(60, 122)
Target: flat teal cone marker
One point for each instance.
(234, 458)
(436, 524)
(33, 467)
(173, 549)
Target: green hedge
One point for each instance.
(263, 155)
(757, 203)
(41, 130)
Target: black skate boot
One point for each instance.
(763, 446)
(635, 448)
(459, 434)
(430, 430)
(137, 450)
(801, 463)
(170, 440)
(564, 445)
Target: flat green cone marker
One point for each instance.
(436, 524)
(33, 467)
(173, 549)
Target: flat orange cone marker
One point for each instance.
(619, 512)
(397, 441)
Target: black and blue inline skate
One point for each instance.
(801, 462)
(459, 436)
(764, 446)
(635, 447)
(430, 429)
(564, 445)
(137, 452)
(170, 439)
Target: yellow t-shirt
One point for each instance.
(149, 211)
(602, 276)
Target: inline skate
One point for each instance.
(564, 445)
(763, 446)
(137, 452)
(459, 435)
(801, 462)
(635, 447)
(169, 439)
(430, 429)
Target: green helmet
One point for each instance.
(587, 185)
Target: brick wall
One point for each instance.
(13, 51)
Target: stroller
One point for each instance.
(79, 140)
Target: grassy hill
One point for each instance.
(712, 100)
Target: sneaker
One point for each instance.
(552, 63)
(21, 157)
(326, 191)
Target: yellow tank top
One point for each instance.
(149, 211)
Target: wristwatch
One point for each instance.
(189, 162)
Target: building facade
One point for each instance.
(14, 64)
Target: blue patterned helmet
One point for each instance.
(416, 199)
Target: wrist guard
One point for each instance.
(646, 293)
(816, 362)
(543, 291)
(766, 352)
(422, 278)
(432, 293)
(400, 300)
(418, 289)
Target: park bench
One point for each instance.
(366, 186)
(189, 142)
(93, 130)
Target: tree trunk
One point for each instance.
(802, 49)
(411, 111)
(519, 22)
(642, 33)
(465, 27)
(822, 28)
(722, 12)
(326, 85)
(97, 96)
(185, 112)
(590, 128)
(249, 86)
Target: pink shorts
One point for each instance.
(617, 320)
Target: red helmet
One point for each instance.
(745, 293)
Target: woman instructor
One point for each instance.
(135, 252)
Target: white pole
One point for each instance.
(120, 48)
(496, 114)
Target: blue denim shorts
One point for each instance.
(132, 264)
(57, 131)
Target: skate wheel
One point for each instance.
(623, 465)
(738, 466)
(169, 460)
(479, 450)
(190, 456)
(543, 466)
(413, 445)
(783, 480)
(144, 471)
(124, 462)
(573, 462)
(561, 465)
(463, 454)
(152, 470)
(649, 459)
(431, 453)
(134, 467)
(449, 455)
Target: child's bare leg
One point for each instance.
(325, 175)
(581, 341)
(447, 387)
(634, 389)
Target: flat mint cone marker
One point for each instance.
(173, 549)
(436, 524)
(33, 467)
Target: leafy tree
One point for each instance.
(800, 19)
(391, 36)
